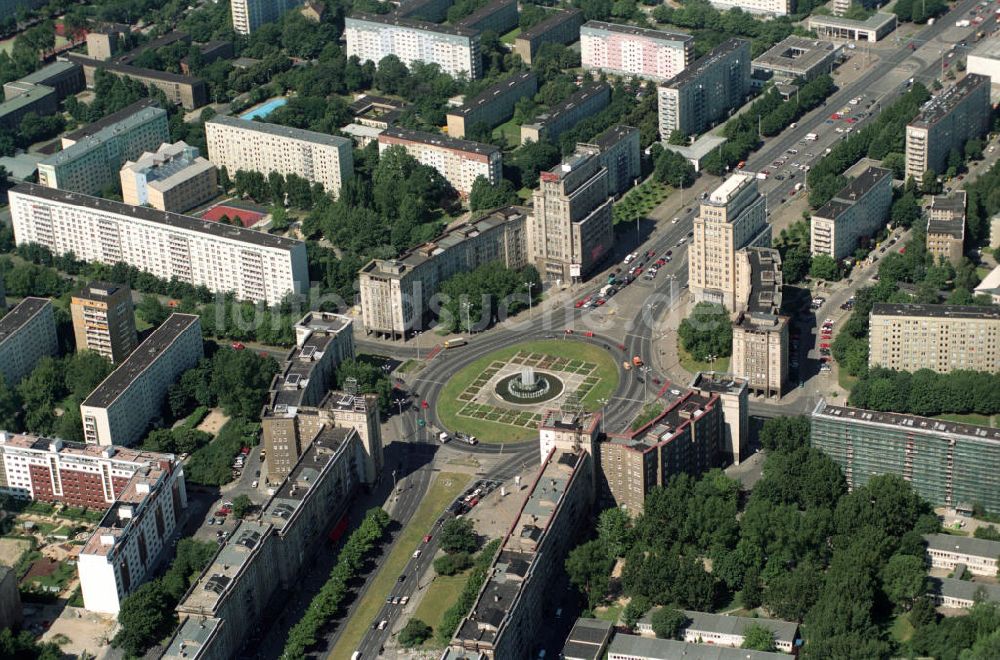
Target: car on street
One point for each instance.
(416, 553)
(382, 624)
(401, 578)
(427, 538)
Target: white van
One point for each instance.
(443, 437)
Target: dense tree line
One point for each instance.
(711, 26)
(793, 243)
(236, 381)
(884, 135)
(485, 196)
(707, 331)
(767, 116)
(209, 465)
(47, 401)
(23, 646)
(329, 601)
(983, 203)
(467, 597)
(147, 614)
(927, 393)
(472, 301)
(914, 11)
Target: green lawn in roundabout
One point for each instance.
(512, 423)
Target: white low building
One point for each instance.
(721, 630)
(978, 555)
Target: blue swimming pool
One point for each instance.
(264, 109)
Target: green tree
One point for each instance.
(145, 618)
(974, 149)
(707, 331)
(450, 564)
(242, 506)
(824, 267)
(785, 433)
(674, 169)
(678, 138)
(635, 610)
(904, 580)
(414, 633)
(485, 195)
(905, 210)
(614, 529)
(457, 535)
(589, 567)
(668, 623)
(758, 638)
(10, 405)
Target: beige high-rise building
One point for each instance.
(733, 217)
(119, 410)
(460, 162)
(760, 332)
(287, 431)
(733, 394)
(174, 178)
(854, 215)
(946, 227)
(570, 230)
(104, 320)
(942, 338)
(256, 146)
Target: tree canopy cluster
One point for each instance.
(912, 11)
(236, 381)
(884, 135)
(61, 383)
(711, 26)
(802, 547)
(467, 597)
(768, 115)
(928, 393)
(707, 331)
(370, 377)
(328, 602)
(474, 300)
(983, 203)
(147, 614)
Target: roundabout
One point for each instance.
(500, 396)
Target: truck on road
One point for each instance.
(443, 437)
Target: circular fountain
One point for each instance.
(529, 387)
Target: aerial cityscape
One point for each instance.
(500, 329)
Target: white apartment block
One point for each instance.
(174, 178)
(854, 214)
(460, 162)
(758, 7)
(256, 146)
(948, 551)
(733, 217)
(133, 536)
(248, 15)
(27, 334)
(371, 37)
(627, 50)
(91, 164)
(119, 410)
(721, 630)
(144, 490)
(252, 265)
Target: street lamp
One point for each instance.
(468, 322)
(604, 403)
(416, 338)
(529, 285)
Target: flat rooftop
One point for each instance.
(323, 322)
(953, 227)
(587, 639)
(512, 565)
(322, 451)
(138, 72)
(393, 19)
(110, 120)
(612, 136)
(663, 429)
(48, 71)
(488, 95)
(765, 282)
(554, 18)
(586, 91)
(964, 589)
(853, 191)
(99, 291)
(985, 48)
(22, 313)
(191, 637)
(215, 581)
(32, 94)
(697, 68)
(647, 647)
(439, 140)
(729, 188)
(965, 545)
(873, 22)
(281, 131)
(796, 54)
(941, 105)
(907, 422)
(718, 382)
(82, 450)
(85, 145)
(148, 352)
(970, 312)
(174, 220)
(398, 268)
(640, 32)
(488, 9)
